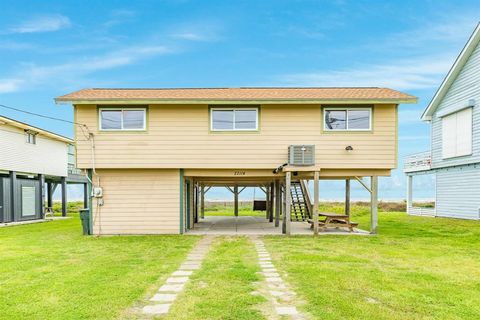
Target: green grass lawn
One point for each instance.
(416, 268)
(222, 288)
(50, 271)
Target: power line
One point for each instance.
(40, 115)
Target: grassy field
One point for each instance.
(50, 271)
(223, 288)
(415, 268)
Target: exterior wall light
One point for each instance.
(349, 148)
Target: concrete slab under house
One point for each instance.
(33, 164)
(152, 154)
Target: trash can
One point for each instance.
(85, 218)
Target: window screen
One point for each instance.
(122, 119)
(347, 119)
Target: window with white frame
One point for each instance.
(126, 119)
(457, 134)
(234, 119)
(30, 137)
(347, 119)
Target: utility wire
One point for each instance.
(40, 115)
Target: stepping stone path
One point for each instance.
(166, 295)
(278, 292)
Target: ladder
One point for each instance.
(300, 208)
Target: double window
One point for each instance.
(234, 119)
(126, 119)
(457, 134)
(347, 119)
(30, 137)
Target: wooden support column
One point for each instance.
(272, 202)
(288, 203)
(50, 194)
(409, 192)
(64, 196)
(267, 201)
(197, 201)
(374, 204)
(85, 195)
(347, 197)
(41, 193)
(202, 201)
(235, 200)
(191, 204)
(278, 202)
(316, 188)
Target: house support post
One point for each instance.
(267, 201)
(278, 202)
(85, 195)
(235, 200)
(374, 204)
(64, 196)
(50, 194)
(409, 192)
(347, 197)
(41, 193)
(272, 202)
(316, 188)
(202, 201)
(288, 203)
(13, 202)
(191, 204)
(197, 201)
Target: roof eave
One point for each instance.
(406, 100)
(459, 63)
(22, 125)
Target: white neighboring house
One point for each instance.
(31, 158)
(454, 159)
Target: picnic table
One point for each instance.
(334, 220)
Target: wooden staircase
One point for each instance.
(301, 204)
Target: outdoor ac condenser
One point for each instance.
(301, 155)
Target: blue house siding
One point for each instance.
(458, 192)
(465, 87)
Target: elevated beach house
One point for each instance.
(454, 158)
(150, 152)
(33, 162)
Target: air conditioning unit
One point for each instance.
(301, 155)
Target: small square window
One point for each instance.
(30, 137)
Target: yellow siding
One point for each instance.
(138, 202)
(178, 137)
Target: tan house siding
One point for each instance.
(138, 202)
(178, 136)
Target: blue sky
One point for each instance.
(48, 48)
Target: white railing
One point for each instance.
(73, 170)
(418, 162)
(420, 211)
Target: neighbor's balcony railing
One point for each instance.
(418, 162)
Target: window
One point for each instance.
(28, 201)
(30, 137)
(128, 119)
(234, 119)
(355, 119)
(457, 134)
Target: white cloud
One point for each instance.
(421, 73)
(9, 85)
(200, 32)
(72, 71)
(42, 24)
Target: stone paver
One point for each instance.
(281, 297)
(167, 293)
(156, 309)
(164, 297)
